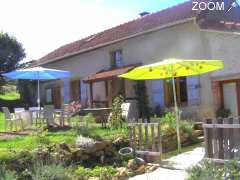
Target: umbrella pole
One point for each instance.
(177, 115)
(38, 98)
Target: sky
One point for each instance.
(44, 25)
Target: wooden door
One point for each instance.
(56, 94)
(75, 90)
(230, 97)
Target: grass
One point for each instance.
(10, 99)
(30, 142)
(9, 96)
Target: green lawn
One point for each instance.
(13, 95)
(30, 142)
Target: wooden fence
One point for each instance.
(145, 139)
(222, 138)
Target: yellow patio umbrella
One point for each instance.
(172, 68)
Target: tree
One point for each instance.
(11, 53)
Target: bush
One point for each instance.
(50, 172)
(223, 113)
(210, 171)
(6, 174)
(88, 119)
(116, 117)
(104, 173)
(168, 121)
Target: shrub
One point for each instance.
(116, 117)
(84, 142)
(50, 172)
(106, 172)
(41, 137)
(6, 174)
(223, 113)
(82, 173)
(209, 171)
(103, 172)
(88, 119)
(169, 119)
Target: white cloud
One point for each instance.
(44, 25)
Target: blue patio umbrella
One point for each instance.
(38, 73)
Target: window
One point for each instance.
(181, 91)
(116, 58)
(49, 95)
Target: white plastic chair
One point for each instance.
(35, 113)
(11, 119)
(64, 115)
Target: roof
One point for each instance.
(148, 22)
(108, 74)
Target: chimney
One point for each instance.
(144, 13)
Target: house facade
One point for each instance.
(177, 32)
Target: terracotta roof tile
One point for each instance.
(107, 74)
(148, 22)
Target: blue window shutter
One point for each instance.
(66, 91)
(157, 93)
(83, 92)
(193, 90)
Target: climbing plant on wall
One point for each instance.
(142, 98)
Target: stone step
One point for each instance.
(198, 126)
(197, 133)
(200, 138)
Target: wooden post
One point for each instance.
(134, 136)
(91, 94)
(231, 139)
(208, 140)
(225, 139)
(159, 141)
(140, 136)
(153, 137)
(146, 137)
(215, 140)
(220, 140)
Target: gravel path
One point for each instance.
(174, 167)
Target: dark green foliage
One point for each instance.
(116, 118)
(11, 53)
(27, 90)
(223, 113)
(142, 98)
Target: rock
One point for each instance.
(118, 141)
(130, 173)
(141, 169)
(140, 161)
(100, 145)
(76, 154)
(64, 147)
(122, 172)
(153, 168)
(93, 178)
(132, 164)
(84, 157)
(99, 153)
